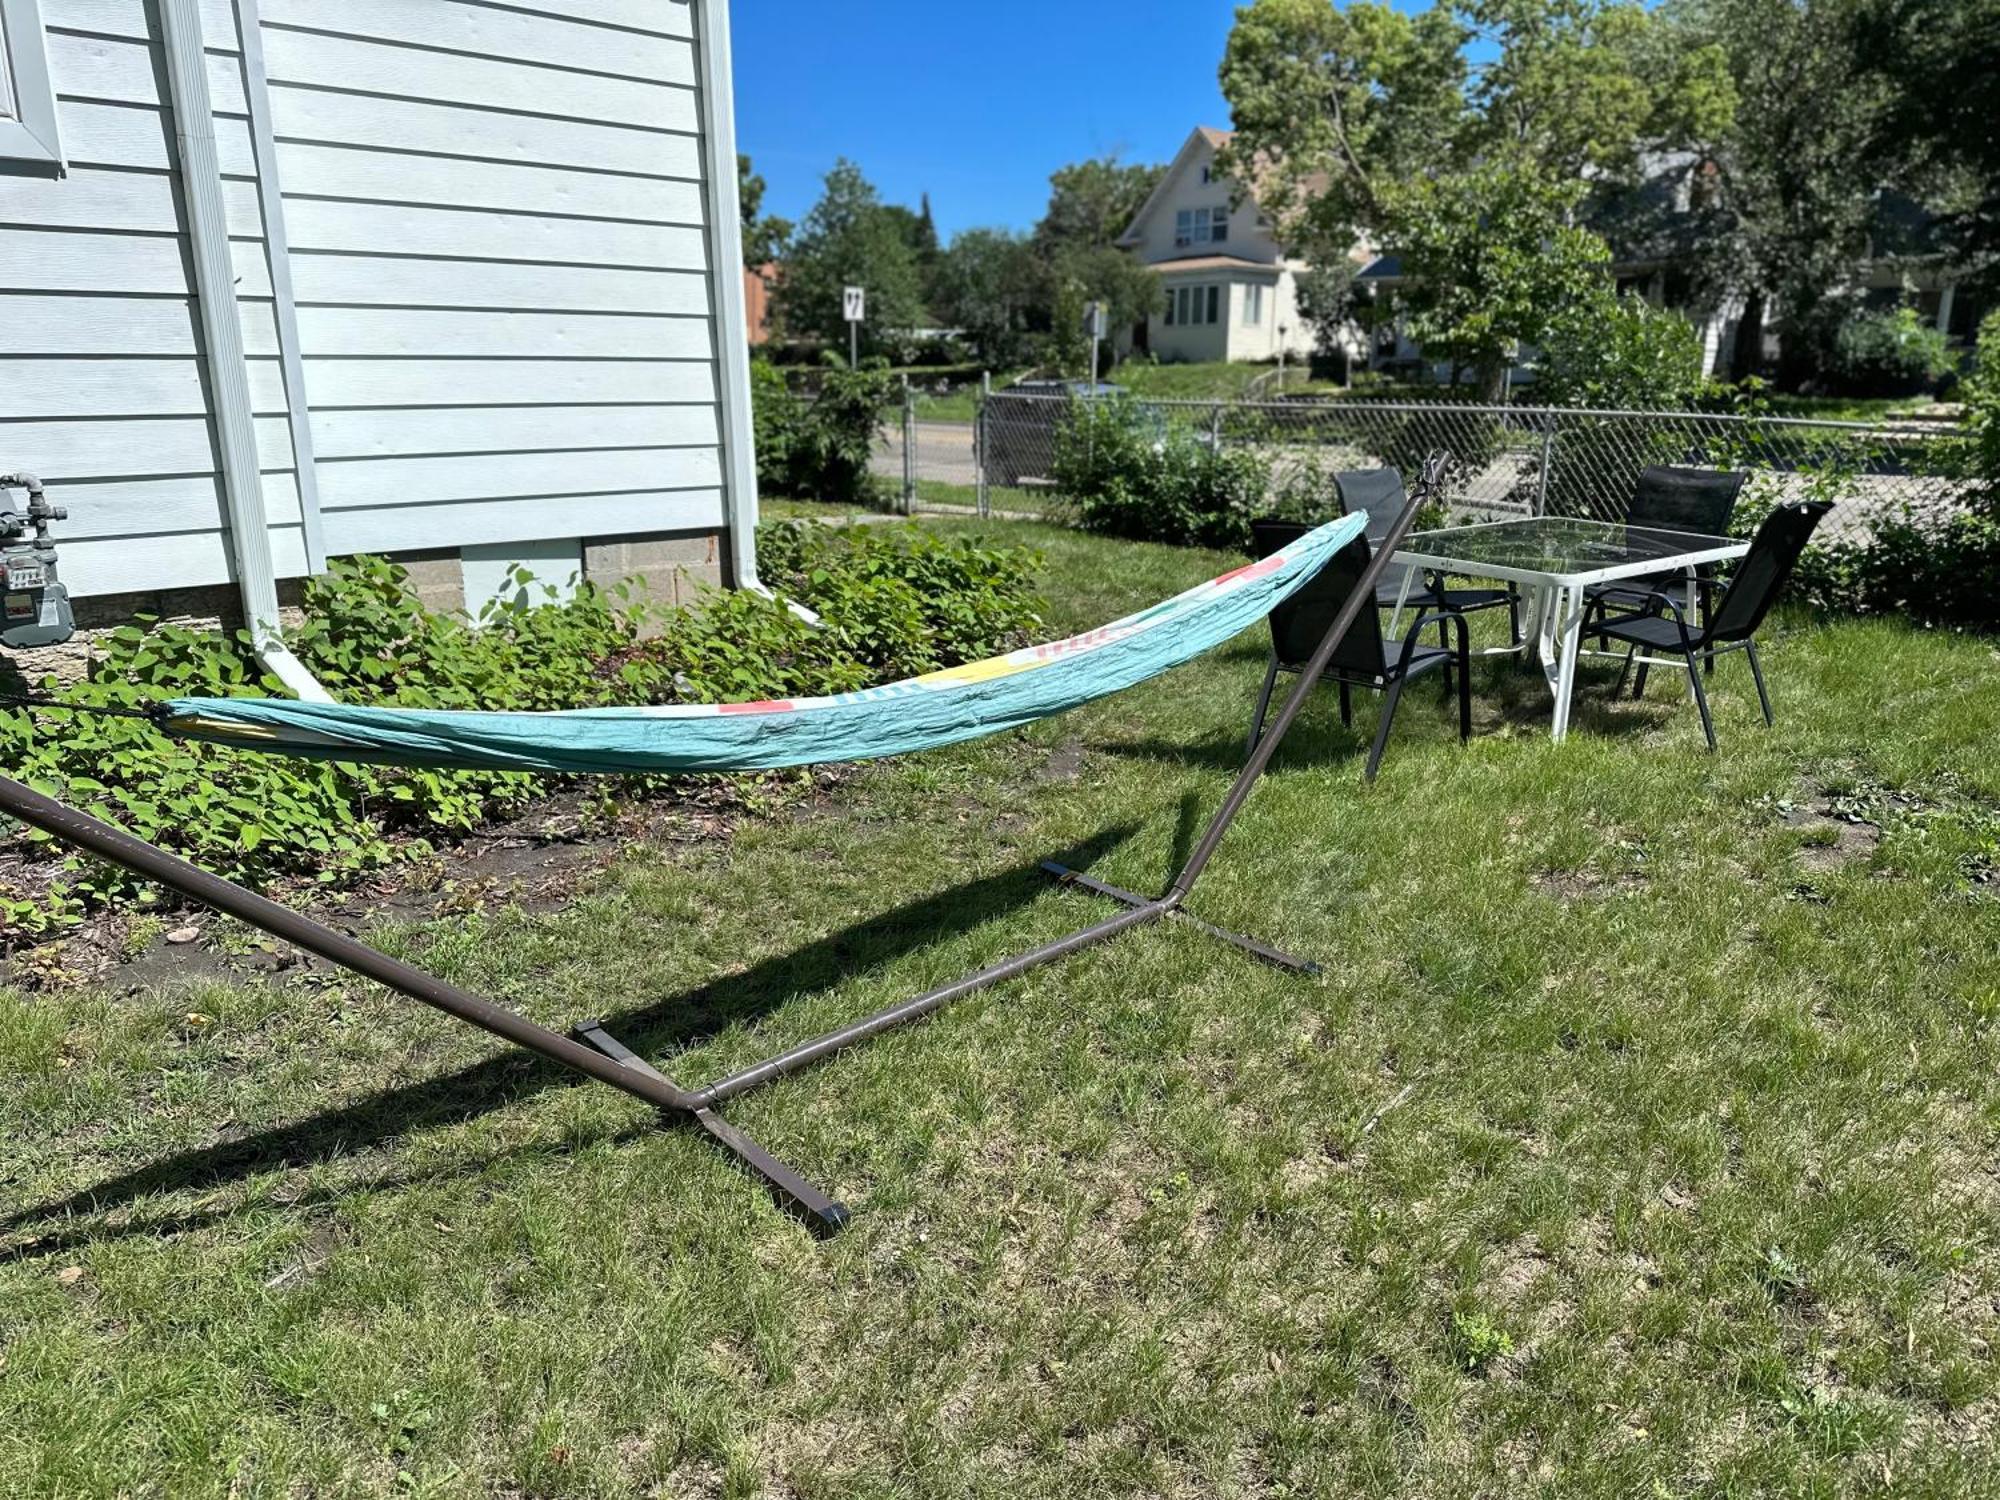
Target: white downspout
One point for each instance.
(222, 338)
(731, 322)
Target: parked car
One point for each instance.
(1020, 435)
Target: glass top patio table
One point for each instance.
(1564, 550)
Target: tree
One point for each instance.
(763, 238)
(1366, 122)
(1491, 262)
(849, 239)
(1079, 275)
(1941, 60)
(991, 284)
(1331, 301)
(1092, 203)
(1791, 221)
(1620, 353)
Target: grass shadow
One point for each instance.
(674, 1022)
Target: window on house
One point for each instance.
(1184, 227)
(27, 102)
(1192, 306)
(1208, 174)
(1253, 307)
(1218, 220)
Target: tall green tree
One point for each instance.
(1798, 169)
(1092, 203)
(763, 236)
(992, 286)
(1364, 121)
(1494, 263)
(1941, 61)
(850, 239)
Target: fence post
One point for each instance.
(1548, 459)
(1215, 429)
(909, 449)
(984, 498)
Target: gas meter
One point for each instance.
(34, 606)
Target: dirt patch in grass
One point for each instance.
(1835, 839)
(1065, 762)
(535, 863)
(1569, 886)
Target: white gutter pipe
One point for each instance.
(222, 339)
(730, 321)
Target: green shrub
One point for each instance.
(894, 601)
(1620, 353)
(1131, 473)
(819, 448)
(1935, 564)
(1888, 354)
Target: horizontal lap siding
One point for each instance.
(102, 389)
(500, 267)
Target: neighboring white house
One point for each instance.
(282, 280)
(1232, 293)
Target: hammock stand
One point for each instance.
(591, 1050)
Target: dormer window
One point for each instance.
(1201, 226)
(1207, 173)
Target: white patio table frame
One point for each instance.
(1557, 559)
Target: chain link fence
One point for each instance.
(1510, 460)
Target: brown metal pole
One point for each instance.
(143, 859)
(1362, 598)
(900, 1015)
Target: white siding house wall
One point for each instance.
(102, 386)
(497, 248)
(498, 266)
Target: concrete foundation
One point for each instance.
(666, 569)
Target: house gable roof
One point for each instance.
(1201, 135)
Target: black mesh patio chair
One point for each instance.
(1700, 501)
(1364, 658)
(1661, 623)
(1378, 493)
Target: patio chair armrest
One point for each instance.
(1417, 627)
(1658, 602)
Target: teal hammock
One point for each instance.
(941, 708)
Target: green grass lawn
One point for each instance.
(1638, 1140)
(1214, 381)
(1849, 408)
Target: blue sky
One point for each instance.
(975, 103)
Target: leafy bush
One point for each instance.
(1888, 354)
(819, 448)
(895, 600)
(1937, 564)
(1133, 474)
(1621, 354)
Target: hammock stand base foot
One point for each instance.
(1274, 956)
(824, 1215)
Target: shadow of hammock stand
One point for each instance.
(594, 1052)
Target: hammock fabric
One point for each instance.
(941, 708)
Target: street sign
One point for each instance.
(855, 300)
(1093, 324)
